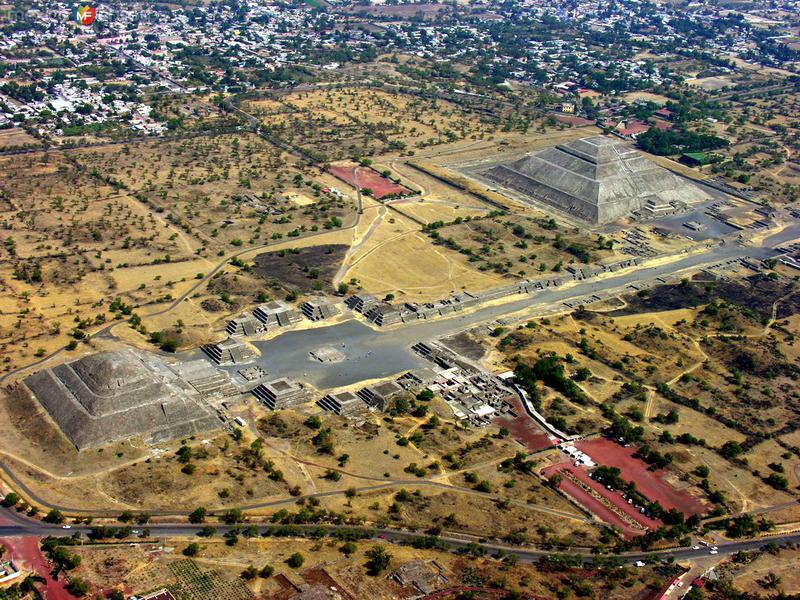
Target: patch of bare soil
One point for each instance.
(302, 269)
(756, 293)
(465, 345)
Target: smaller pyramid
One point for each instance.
(597, 179)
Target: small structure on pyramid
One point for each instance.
(599, 180)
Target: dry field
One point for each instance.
(721, 388)
(144, 223)
(223, 190)
(519, 245)
(710, 84)
(16, 137)
(633, 97)
(397, 258)
(72, 244)
(344, 122)
(217, 567)
(752, 577)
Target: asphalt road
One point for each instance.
(22, 526)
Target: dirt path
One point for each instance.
(381, 245)
(357, 246)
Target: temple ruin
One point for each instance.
(599, 180)
(113, 396)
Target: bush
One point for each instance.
(78, 587)
(198, 515)
(731, 449)
(208, 531)
(266, 571)
(54, 516)
(313, 422)
(348, 548)
(378, 560)
(11, 499)
(232, 516)
(484, 486)
(250, 573)
(192, 549)
(779, 482)
(296, 560)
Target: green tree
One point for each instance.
(232, 516)
(266, 571)
(296, 560)
(54, 516)
(250, 573)
(198, 515)
(348, 548)
(208, 531)
(378, 560)
(78, 587)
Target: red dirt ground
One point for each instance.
(524, 429)
(650, 483)
(366, 178)
(595, 506)
(25, 553)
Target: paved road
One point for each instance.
(16, 525)
(374, 354)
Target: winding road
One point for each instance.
(13, 524)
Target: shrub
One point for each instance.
(296, 560)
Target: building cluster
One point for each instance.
(319, 309)
(383, 313)
(134, 48)
(230, 352)
(376, 396)
(473, 393)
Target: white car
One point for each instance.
(695, 547)
(713, 551)
(66, 527)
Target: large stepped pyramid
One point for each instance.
(596, 179)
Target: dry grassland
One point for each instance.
(222, 190)
(399, 259)
(748, 577)
(143, 223)
(344, 122)
(70, 238)
(148, 567)
(15, 137)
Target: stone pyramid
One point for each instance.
(597, 179)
